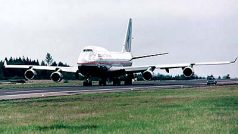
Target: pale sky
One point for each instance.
(191, 31)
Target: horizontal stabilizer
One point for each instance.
(145, 56)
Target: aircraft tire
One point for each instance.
(128, 82)
(87, 83)
(116, 82)
(102, 83)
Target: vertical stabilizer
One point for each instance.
(127, 45)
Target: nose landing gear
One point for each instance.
(116, 82)
(103, 82)
(87, 82)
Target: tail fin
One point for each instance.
(127, 45)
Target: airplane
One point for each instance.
(95, 61)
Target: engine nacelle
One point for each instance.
(56, 76)
(30, 74)
(148, 75)
(188, 72)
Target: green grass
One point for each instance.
(39, 84)
(195, 110)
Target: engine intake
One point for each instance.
(188, 72)
(30, 74)
(56, 76)
(148, 75)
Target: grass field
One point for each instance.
(40, 84)
(194, 110)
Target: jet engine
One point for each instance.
(30, 74)
(56, 76)
(188, 72)
(148, 74)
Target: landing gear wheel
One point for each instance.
(102, 83)
(128, 82)
(116, 82)
(87, 82)
(129, 78)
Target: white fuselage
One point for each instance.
(93, 56)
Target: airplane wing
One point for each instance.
(171, 66)
(135, 69)
(50, 68)
(145, 56)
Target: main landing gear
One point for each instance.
(128, 82)
(116, 82)
(103, 82)
(87, 82)
(129, 78)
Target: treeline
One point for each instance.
(177, 77)
(43, 74)
(19, 73)
(1, 71)
(169, 77)
(27, 61)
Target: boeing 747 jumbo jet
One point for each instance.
(98, 62)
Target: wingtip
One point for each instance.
(162, 53)
(5, 63)
(235, 60)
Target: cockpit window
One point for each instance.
(87, 50)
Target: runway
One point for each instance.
(24, 93)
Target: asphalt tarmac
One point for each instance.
(24, 93)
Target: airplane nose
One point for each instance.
(82, 60)
(86, 58)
